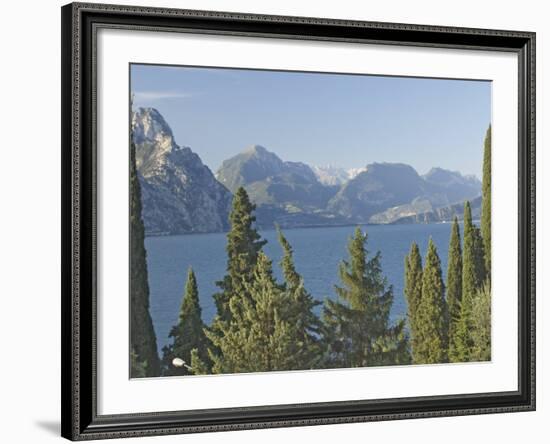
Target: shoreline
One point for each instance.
(366, 224)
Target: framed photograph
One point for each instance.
(281, 221)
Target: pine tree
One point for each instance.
(432, 340)
(486, 204)
(454, 286)
(188, 334)
(358, 321)
(301, 309)
(473, 273)
(413, 291)
(258, 336)
(243, 245)
(143, 341)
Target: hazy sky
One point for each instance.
(320, 119)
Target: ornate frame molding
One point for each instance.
(80, 22)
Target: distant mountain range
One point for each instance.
(271, 181)
(444, 214)
(181, 195)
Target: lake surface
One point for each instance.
(317, 253)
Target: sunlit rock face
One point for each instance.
(179, 193)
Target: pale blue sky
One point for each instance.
(337, 119)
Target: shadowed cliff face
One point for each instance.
(179, 193)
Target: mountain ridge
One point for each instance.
(182, 195)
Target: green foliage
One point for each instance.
(479, 257)
(188, 334)
(142, 335)
(198, 366)
(138, 369)
(259, 335)
(486, 203)
(481, 325)
(473, 262)
(243, 245)
(301, 316)
(413, 292)
(432, 340)
(473, 274)
(357, 324)
(261, 325)
(454, 286)
(292, 278)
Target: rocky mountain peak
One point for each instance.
(377, 168)
(179, 193)
(253, 164)
(445, 177)
(257, 150)
(333, 175)
(149, 126)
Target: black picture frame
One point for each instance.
(80, 22)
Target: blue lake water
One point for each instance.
(317, 253)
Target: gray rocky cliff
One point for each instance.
(179, 193)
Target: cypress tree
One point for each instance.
(473, 264)
(454, 286)
(473, 273)
(479, 257)
(481, 325)
(243, 245)
(432, 342)
(486, 204)
(358, 321)
(188, 333)
(137, 369)
(413, 291)
(143, 341)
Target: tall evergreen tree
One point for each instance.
(413, 292)
(432, 340)
(479, 257)
(137, 368)
(301, 309)
(473, 274)
(358, 321)
(481, 325)
(454, 286)
(188, 333)
(243, 245)
(473, 262)
(143, 343)
(486, 204)
(259, 335)
(198, 365)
